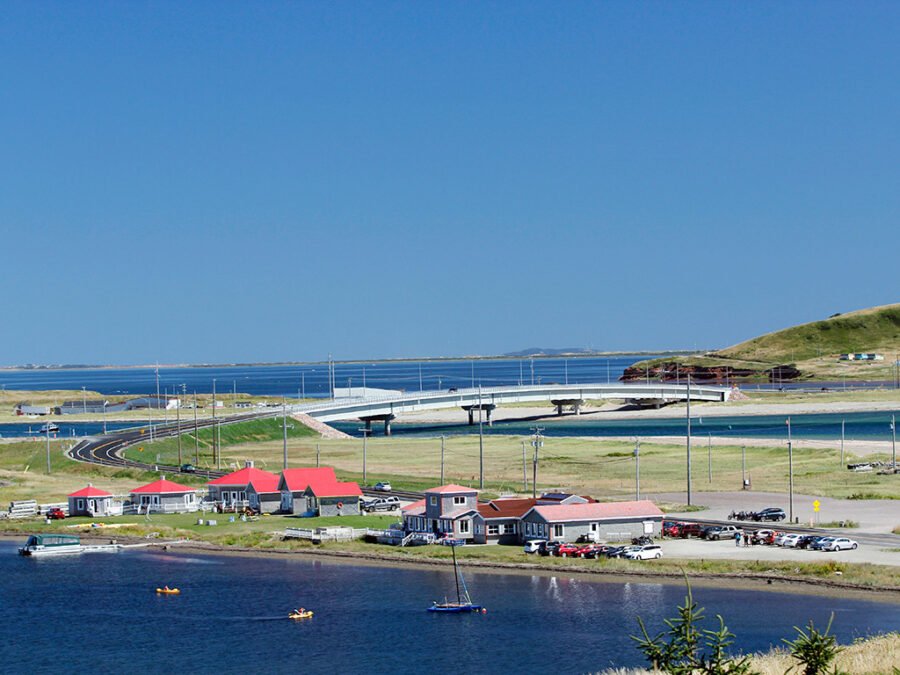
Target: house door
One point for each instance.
(92, 505)
(286, 501)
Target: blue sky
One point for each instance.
(217, 182)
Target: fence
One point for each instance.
(325, 533)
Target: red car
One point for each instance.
(568, 550)
(672, 528)
(56, 513)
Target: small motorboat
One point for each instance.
(168, 591)
(49, 428)
(301, 614)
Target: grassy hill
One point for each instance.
(813, 348)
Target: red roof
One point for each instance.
(451, 489)
(162, 486)
(506, 508)
(414, 509)
(297, 480)
(262, 481)
(598, 511)
(337, 490)
(91, 491)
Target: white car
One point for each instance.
(533, 545)
(382, 487)
(789, 540)
(648, 552)
(840, 544)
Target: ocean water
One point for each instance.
(99, 613)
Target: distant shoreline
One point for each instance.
(424, 359)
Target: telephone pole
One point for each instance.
(537, 443)
(637, 469)
(689, 439)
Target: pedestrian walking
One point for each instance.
(737, 538)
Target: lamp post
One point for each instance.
(637, 469)
(480, 443)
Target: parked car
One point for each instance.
(647, 552)
(840, 544)
(587, 538)
(691, 530)
(790, 540)
(382, 487)
(763, 537)
(717, 532)
(567, 550)
(597, 551)
(188, 468)
(381, 504)
(808, 540)
(822, 544)
(56, 513)
(533, 545)
(772, 514)
(672, 528)
(620, 551)
(589, 550)
(548, 548)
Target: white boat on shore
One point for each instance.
(40, 545)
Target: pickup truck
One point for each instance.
(717, 532)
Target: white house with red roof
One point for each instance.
(250, 486)
(317, 492)
(609, 521)
(164, 496)
(92, 501)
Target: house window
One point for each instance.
(595, 527)
(493, 529)
(478, 529)
(433, 500)
(459, 500)
(559, 530)
(81, 505)
(464, 526)
(509, 528)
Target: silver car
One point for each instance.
(840, 544)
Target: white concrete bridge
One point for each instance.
(488, 398)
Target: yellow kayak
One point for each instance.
(301, 615)
(168, 591)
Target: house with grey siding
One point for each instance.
(317, 492)
(164, 496)
(447, 511)
(612, 521)
(91, 501)
(250, 486)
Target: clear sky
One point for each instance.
(239, 181)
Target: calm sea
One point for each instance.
(99, 613)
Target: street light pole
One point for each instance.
(178, 424)
(365, 439)
(480, 443)
(196, 434)
(284, 430)
(48, 451)
(442, 459)
(215, 448)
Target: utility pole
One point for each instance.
(709, 456)
(637, 469)
(689, 439)
(744, 467)
(48, 450)
(790, 472)
(178, 423)
(365, 433)
(842, 441)
(524, 470)
(893, 442)
(196, 432)
(284, 431)
(537, 443)
(317, 455)
(480, 443)
(442, 459)
(215, 428)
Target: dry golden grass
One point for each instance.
(876, 656)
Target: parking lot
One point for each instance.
(726, 550)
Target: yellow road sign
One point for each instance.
(816, 505)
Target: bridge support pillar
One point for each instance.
(386, 418)
(487, 408)
(575, 403)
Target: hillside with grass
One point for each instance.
(805, 351)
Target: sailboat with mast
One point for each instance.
(463, 601)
